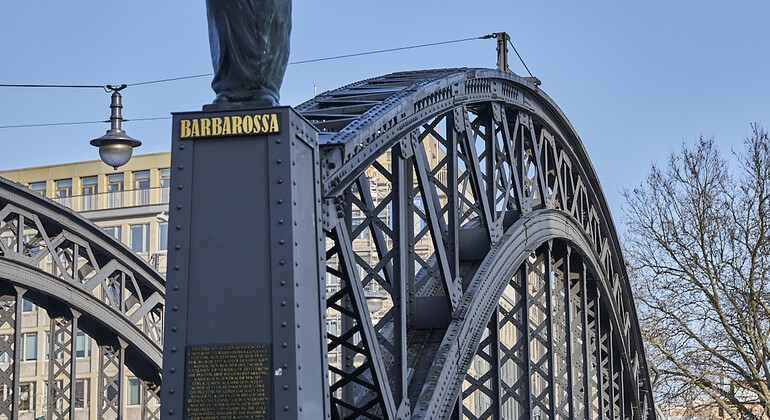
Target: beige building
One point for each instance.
(131, 204)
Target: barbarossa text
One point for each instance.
(229, 125)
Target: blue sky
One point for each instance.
(634, 78)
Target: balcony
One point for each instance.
(116, 199)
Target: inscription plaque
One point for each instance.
(227, 382)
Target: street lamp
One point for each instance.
(115, 147)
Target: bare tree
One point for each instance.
(698, 247)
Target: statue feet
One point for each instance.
(262, 100)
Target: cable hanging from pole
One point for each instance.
(116, 88)
(108, 88)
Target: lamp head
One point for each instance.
(115, 147)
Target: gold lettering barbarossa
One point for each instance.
(229, 125)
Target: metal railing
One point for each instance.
(116, 199)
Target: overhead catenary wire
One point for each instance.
(108, 88)
(80, 122)
(520, 59)
(313, 60)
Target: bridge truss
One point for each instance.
(86, 281)
(473, 269)
(492, 251)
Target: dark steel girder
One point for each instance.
(529, 161)
(114, 292)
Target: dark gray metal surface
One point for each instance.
(246, 253)
(516, 156)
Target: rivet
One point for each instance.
(179, 187)
(176, 267)
(281, 242)
(178, 247)
(181, 147)
(173, 329)
(280, 221)
(283, 324)
(282, 262)
(173, 349)
(279, 161)
(286, 387)
(179, 207)
(280, 180)
(174, 308)
(280, 201)
(172, 411)
(283, 282)
(176, 287)
(171, 391)
(283, 303)
(279, 141)
(285, 407)
(172, 370)
(285, 366)
(178, 227)
(181, 167)
(284, 345)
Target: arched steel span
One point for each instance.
(465, 200)
(87, 280)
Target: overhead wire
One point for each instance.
(520, 59)
(80, 122)
(313, 60)
(107, 88)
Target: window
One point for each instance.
(81, 393)
(142, 188)
(165, 177)
(63, 188)
(140, 237)
(134, 388)
(27, 306)
(114, 190)
(162, 236)
(88, 191)
(114, 182)
(27, 396)
(88, 185)
(165, 183)
(29, 346)
(82, 345)
(38, 187)
(114, 231)
(141, 180)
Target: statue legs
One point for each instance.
(249, 50)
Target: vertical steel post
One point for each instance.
(403, 295)
(17, 351)
(73, 362)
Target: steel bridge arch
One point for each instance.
(522, 165)
(86, 280)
